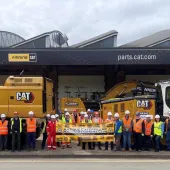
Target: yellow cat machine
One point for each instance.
(142, 104)
(24, 94)
(143, 97)
(78, 104)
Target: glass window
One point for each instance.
(167, 97)
(122, 107)
(116, 108)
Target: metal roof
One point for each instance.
(95, 39)
(151, 40)
(8, 39)
(51, 41)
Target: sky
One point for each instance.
(84, 19)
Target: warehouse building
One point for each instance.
(87, 69)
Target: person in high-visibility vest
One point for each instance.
(89, 113)
(44, 131)
(81, 117)
(97, 120)
(51, 132)
(80, 120)
(158, 132)
(58, 121)
(138, 131)
(4, 130)
(66, 120)
(31, 124)
(109, 120)
(148, 132)
(86, 121)
(127, 130)
(75, 116)
(117, 132)
(167, 131)
(16, 129)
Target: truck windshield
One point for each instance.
(167, 97)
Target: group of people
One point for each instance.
(15, 127)
(136, 134)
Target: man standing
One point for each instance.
(44, 131)
(16, 129)
(89, 113)
(127, 130)
(138, 131)
(31, 124)
(97, 120)
(118, 131)
(66, 120)
(167, 132)
(86, 121)
(51, 132)
(148, 132)
(158, 132)
(75, 116)
(4, 130)
(109, 120)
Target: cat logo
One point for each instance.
(146, 104)
(27, 97)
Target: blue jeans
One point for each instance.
(31, 137)
(157, 141)
(127, 139)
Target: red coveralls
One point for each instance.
(51, 131)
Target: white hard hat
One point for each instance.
(82, 113)
(53, 117)
(148, 116)
(65, 109)
(85, 115)
(109, 114)
(48, 115)
(88, 110)
(127, 112)
(56, 115)
(157, 116)
(3, 115)
(30, 112)
(67, 114)
(116, 115)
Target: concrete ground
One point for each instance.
(84, 164)
(77, 152)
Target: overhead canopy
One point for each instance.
(151, 40)
(76, 56)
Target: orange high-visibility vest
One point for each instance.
(99, 120)
(148, 128)
(127, 123)
(31, 125)
(3, 127)
(137, 126)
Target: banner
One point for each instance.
(85, 132)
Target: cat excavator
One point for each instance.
(144, 97)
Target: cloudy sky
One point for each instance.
(83, 19)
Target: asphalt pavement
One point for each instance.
(84, 164)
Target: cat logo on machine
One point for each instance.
(27, 97)
(146, 104)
